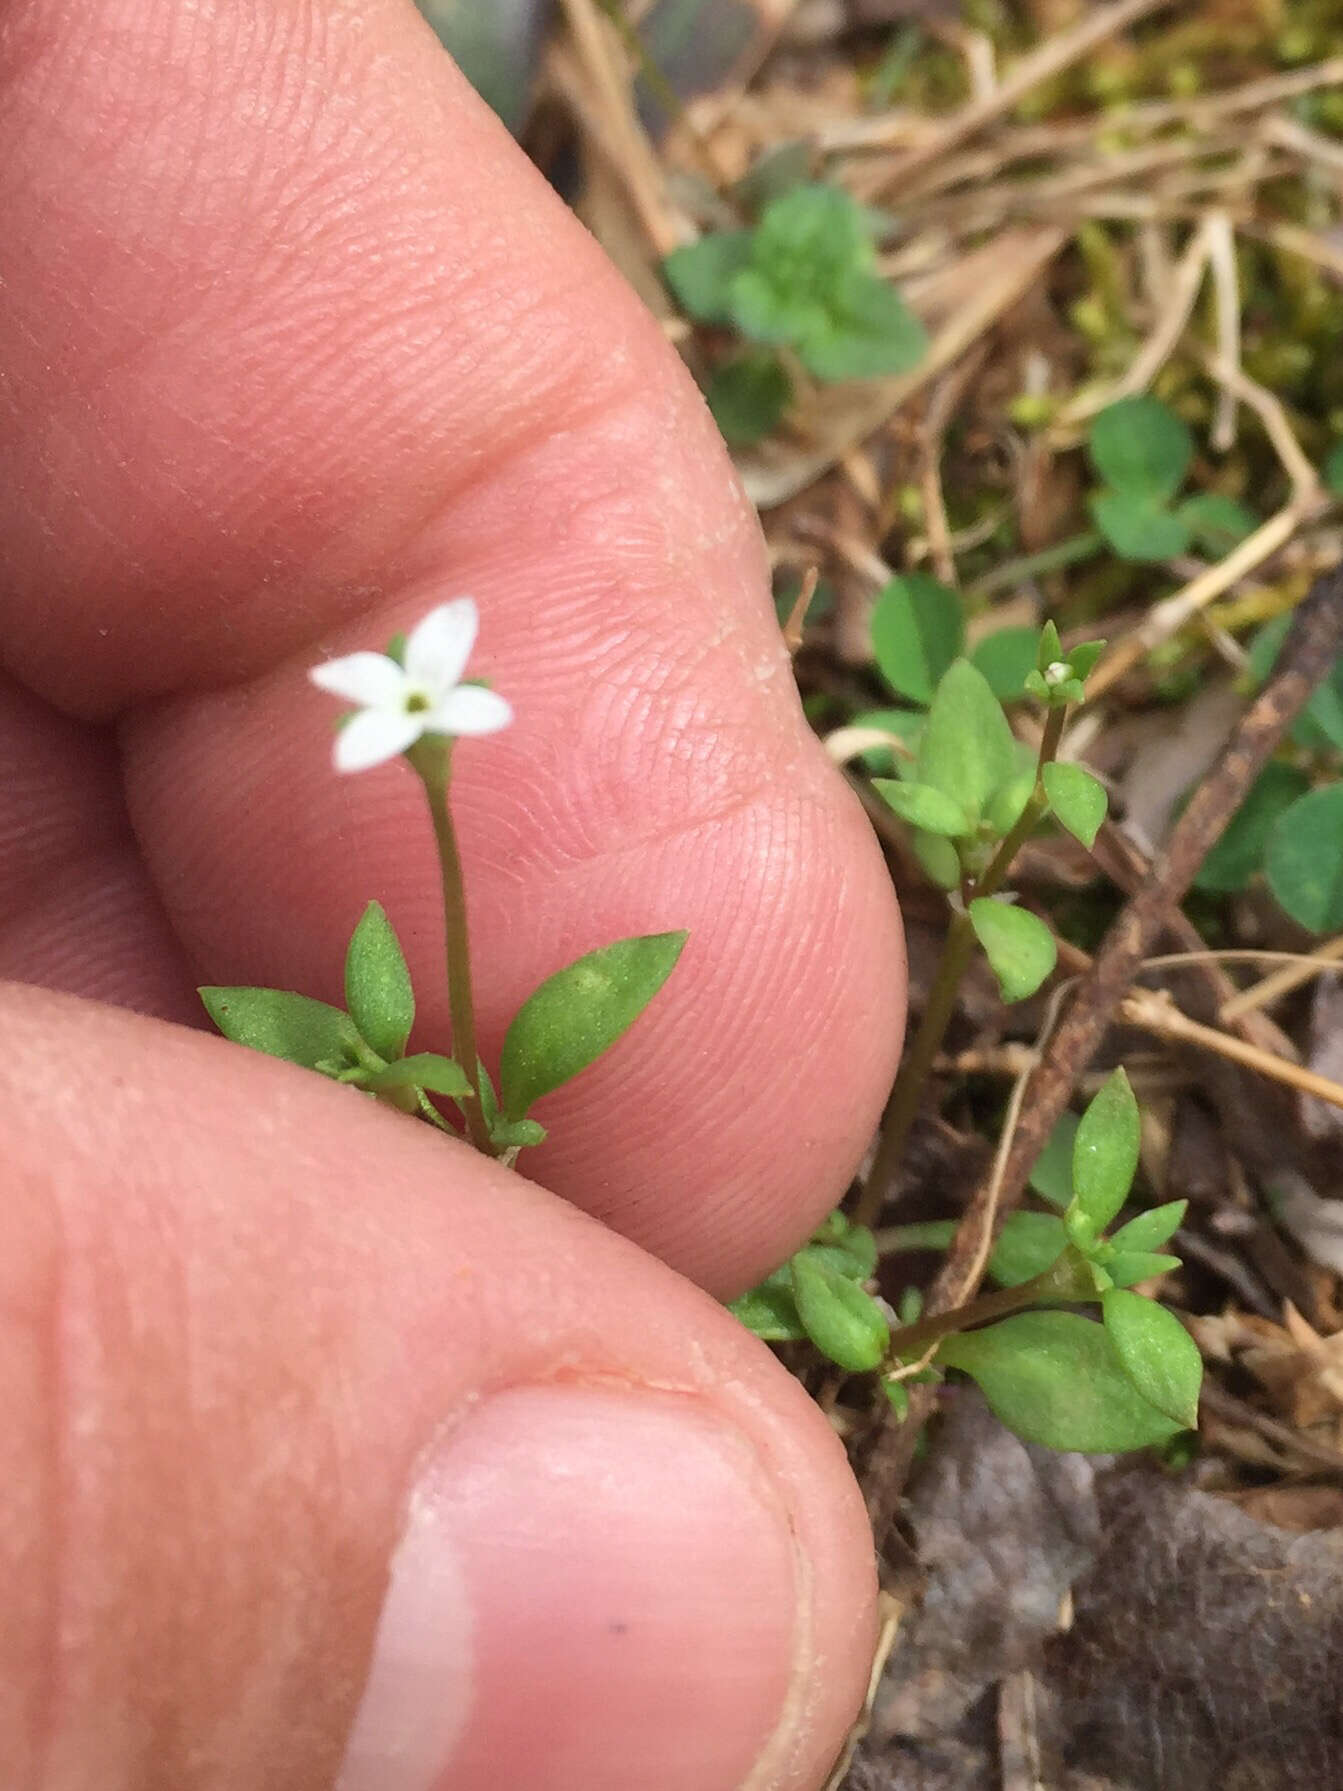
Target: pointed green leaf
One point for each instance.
(748, 397)
(1150, 1230)
(377, 984)
(1138, 529)
(1008, 802)
(917, 630)
(1050, 650)
(939, 859)
(426, 1069)
(700, 274)
(1056, 1378)
(865, 331)
(1304, 859)
(843, 1322)
(923, 806)
(1084, 656)
(967, 750)
(1027, 1245)
(1105, 1152)
(282, 1024)
(578, 1013)
(1052, 1176)
(1018, 945)
(1141, 448)
(1126, 1267)
(1158, 1354)
(770, 1310)
(1077, 799)
(852, 1248)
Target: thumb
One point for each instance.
(338, 1455)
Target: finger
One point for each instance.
(316, 1420)
(300, 445)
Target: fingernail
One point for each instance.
(595, 1588)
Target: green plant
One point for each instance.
(1290, 825)
(413, 703)
(1057, 1377)
(1143, 452)
(803, 279)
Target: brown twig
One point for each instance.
(1313, 643)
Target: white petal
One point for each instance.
(440, 645)
(370, 679)
(470, 709)
(375, 735)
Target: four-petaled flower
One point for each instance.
(399, 704)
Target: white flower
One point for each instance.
(398, 704)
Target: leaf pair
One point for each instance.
(563, 1026)
(363, 1046)
(819, 1294)
(1143, 451)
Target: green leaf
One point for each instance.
(377, 984)
(1141, 449)
(1105, 1152)
(1332, 470)
(1215, 522)
(1150, 1230)
(1077, 799)
(1304, 859)
(917, 630)
(1008, 802)
(1056, 1378)
(939, 859)
(1083, 658)
(426, 1069)
(897, 1398)
(967, 749)
(854, 1247)
(700, 274)
(1028, 1244)
(1138, 529)
(1126, 1267)
(770, 1310)
(923, 806)
(867, 332)
(1006, 658)
(1158, 1354)
(282, 1024)
(748, 397)
(1050, 650)
(1052, 1176)
(843, 1322)
(1018, 945)
(1240, 851)
(578, 1013)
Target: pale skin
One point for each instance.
(296, 345)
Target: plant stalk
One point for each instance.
(1067, 1279)
(957, 952)
(433, 763)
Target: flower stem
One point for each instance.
(432, 761)
(957, 951)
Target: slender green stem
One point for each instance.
(1049, 559)
(1001, 863)
(957, 951)
(915, 1066)
(432, 760)
(1067, 1279)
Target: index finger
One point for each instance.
(304, 345)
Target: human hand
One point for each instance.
(298, 345)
